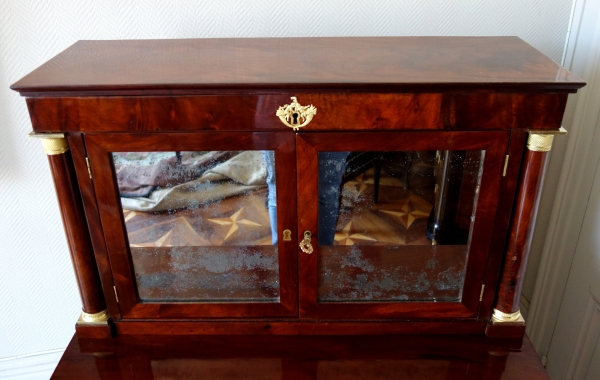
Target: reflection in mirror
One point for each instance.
(395, 226)
(199, 224)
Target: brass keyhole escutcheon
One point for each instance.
(295, 115)
(287, 235)
(305, 244)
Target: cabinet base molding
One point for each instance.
(508, 330)
(506, 325)
(309, 327)
(95, 330)
(94, 326)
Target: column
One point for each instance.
(506, 309)
(55, 145)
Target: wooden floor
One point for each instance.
(298, 357)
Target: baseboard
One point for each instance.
(37, 366)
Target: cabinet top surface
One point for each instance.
(409, 64)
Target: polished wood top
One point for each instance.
(399, 64)
(298, 357)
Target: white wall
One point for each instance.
(577, 50)
(38, 297)
(563, 322)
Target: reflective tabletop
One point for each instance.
(298, 357)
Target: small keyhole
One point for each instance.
(295, 116)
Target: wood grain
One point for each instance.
(78, 235)
(100, 145)
(521, 232)
(505, 208)
(309, 144)
(336, 112)
(399, 64)
(383, 94)
(268, 326)
(94, 330)
(88, 197)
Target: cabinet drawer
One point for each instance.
(335, 112)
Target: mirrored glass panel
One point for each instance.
(201, 225)
(395, 226)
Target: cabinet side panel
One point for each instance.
(487, 206)
(521, 232)
(93, 220)
(505, 206)
(106, 201)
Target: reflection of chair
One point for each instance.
(358, 163)
(401, 164)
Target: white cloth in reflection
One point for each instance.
(242, 173)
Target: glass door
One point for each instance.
(399, 223)
(194, 223)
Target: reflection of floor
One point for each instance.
(240, 220)
(399, 217)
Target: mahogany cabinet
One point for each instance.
(299, 186)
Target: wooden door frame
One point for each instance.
(99, 147)
(309, 144)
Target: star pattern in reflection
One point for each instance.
(234, 221)
(346, 237)
(411, 208)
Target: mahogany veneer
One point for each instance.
(397, 94)
(379, 111)
(521, 234)
(374, 64)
